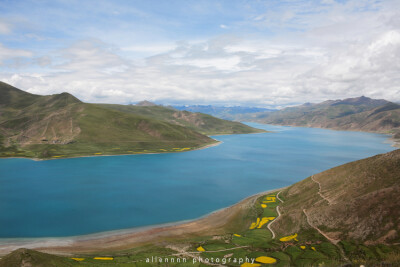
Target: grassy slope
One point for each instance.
(363, 193)
(62, 126)
(104, 131)
(358, 114)
(384, 119)
(364, 209)
(27, 257)
(318, 113)
(203, 123)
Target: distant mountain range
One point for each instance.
(228, 113)
(146, 103)
(57, 126)
(355, 114)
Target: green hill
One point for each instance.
(31, 258)
(356, 201)
(60, 125)
(223, 112)
(355, 114)
(200, 122)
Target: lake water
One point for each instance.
(78, 196)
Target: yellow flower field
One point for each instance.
(269, 199)
(78, 259)
(288, 238)
(264, 220)
(267, 260)
(254, 225)
(201, 249)
(104, 258)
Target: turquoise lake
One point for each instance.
(69, 197)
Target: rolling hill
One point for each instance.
(31, 258)
(227, 113)
(60, 125)
(357, 201)
(355, 114)
(200, 122)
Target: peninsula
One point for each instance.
(61, 126)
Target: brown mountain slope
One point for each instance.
(30, 258)
(352, 114)
(356, 201)
(29, 119)
(200, 122)
(60, 125)
(382, 119)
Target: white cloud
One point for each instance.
(5, 28)
(222, 63)
(91, 56)
(150, 48)
(12, 54)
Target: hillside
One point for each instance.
(227, 113)
(356, 114)
(202, 123)
(31, 258)
(356, 201)
(60, 125)
(346, 215)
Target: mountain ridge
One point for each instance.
(222, 112)
(342, 200)
(354, 114)
(60, 125)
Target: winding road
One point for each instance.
(277, 196)
(279, 215)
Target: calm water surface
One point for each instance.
(87, 195)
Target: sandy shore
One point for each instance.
(211, 224)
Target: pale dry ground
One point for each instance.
(213, 224)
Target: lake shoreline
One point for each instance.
(128, 238)
(271, 146)
(216, 143)
(390, 137)
(132, 154)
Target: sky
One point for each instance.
(219, 52)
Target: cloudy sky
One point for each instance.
(233, 52)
